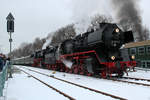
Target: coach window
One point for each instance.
(141, 50)
(133, 51)
(148, 50)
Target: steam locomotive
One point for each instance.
(96, 52)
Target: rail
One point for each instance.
(144, 69)
(136, 83)
(133, 78)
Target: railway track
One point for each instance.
(62, 93)
(143, 69)
(112, 79)
(124, 81)
(142, 79)
(132, 78)
(81, 86)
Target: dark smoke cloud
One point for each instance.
(128, 13)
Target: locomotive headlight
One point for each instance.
(133, 57)
(113, 57)
(117, 30)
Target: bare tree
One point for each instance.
(99, 19)
(37, 44)
(63, 33)
(146, 33)
(26, 49)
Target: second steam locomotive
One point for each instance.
(96, 52)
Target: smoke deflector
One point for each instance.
(128, 37)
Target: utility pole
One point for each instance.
(10, 30)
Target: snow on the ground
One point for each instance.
(74, 91)
(40, 92)
(140, 74)
(24, 87)
(129, 91)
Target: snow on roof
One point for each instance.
(137, 44)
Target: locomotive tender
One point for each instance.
(97, 52)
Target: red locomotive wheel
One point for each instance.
(89, 74)
(76, 70)
(70, 70)
(81, 73)
(103, 74)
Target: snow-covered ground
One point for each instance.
(23, 87)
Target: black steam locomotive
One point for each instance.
(96, 52)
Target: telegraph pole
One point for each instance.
(10, 30)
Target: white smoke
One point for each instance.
(48, 40)
(82, 26)
(46, 43)
(67, 63)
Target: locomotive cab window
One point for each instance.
(133, 51)
(141, 51)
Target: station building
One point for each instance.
(141, 51)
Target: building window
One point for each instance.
(141, 51)
(133, 51)
(143, 64)
(148, 64)
(148, 50)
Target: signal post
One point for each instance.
(10, 30)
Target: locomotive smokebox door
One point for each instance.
(128, 37)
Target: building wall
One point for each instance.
(142, 55)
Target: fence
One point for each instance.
(3, 77)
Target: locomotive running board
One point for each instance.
(81, 55)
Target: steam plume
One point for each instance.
(83, 10)
(48, 40)
(128, 13)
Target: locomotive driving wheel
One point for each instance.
(95, 66)
(82, 69)
(120, 74)
(76, 70)
(104, 72)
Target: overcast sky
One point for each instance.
(37, 18)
